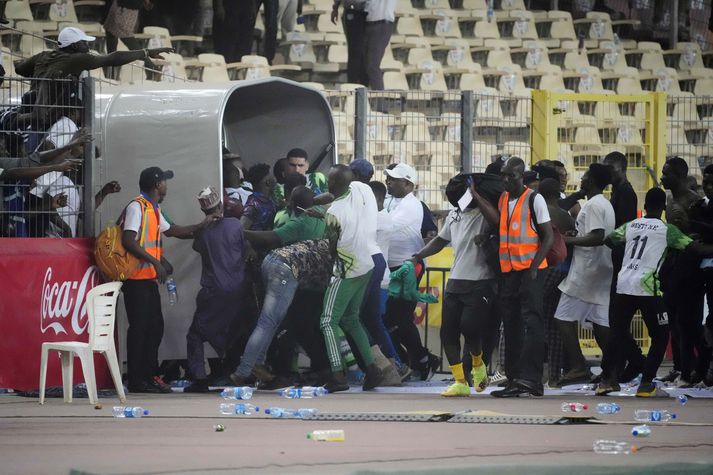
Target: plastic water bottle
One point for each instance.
(326, 435)
(490, 13)
(129, 412)
(6, 391)
(282, 413)
(305, 392)
(229, 409)
(574, 407)
(641, 431)
(682, 399)
(181, 383)
(172, 291)
(653, 415)
(613, 447)
(608, 408)
(243, 392)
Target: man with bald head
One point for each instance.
(351, 227)
(526, 237)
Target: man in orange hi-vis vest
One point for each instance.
(142, 225)
(525, 239)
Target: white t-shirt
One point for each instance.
(406, 240)
(61, 132)
(378, 10)
(542, 213)
(384, 229)
(69, 213)
(590, 274)
(460, 230)
(350, 213)
(132, 220)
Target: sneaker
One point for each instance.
(262, 373)
(237, 380)
(457, 390)
(198, 386)
(161, 383)
(404, 372)
(670, 377)
(480, 378)
(606, 387)
(632, 370)
(497, 378)
(429, 367)
(576, 376)
(646, 390)
(355, 377)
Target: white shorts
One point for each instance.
(572, 309)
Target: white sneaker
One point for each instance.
(497, 378)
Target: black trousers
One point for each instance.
(655, 317)
(523, 319)
(269, 39)
(354, 22)
(233, 36)
(143, 310)
(399, 322)
(376, 40)
(466, 314)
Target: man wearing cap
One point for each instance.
(362, 170)
(70, 60)
(220, 246)
(142, 224)
(406, 240)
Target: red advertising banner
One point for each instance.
(42, 298)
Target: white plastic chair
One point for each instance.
(101, 313)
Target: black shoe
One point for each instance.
(513, 390)
(279, 382)
(337, 382)
(198, 386)
(263, 374)
(631, 371)
(429, 367)
(372, 377)
(4, 20)
(671, 376)
(148, 387)
(237, 380)
(535, 389)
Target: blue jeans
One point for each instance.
(372, 311)
(280, 286)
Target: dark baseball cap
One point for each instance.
(362, 168)
(151, 176)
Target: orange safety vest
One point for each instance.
(150, 239)
(519, 241)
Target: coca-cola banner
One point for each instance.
(44, 287)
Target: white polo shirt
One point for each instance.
(406, 240)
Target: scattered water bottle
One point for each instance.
(326, 435)
(181, 383)
(613, 447)
(279, 412)
(682, 399)
(243, 392)
(172, 291)
(608, 408)
(490, 13)
(230, 408)
(653, 415)
(304, 392)
(573, 407)
(641, 431)
(6, 391)
(129, 412)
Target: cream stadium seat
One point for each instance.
(485, 29)
(33, 42)
(419, 54)
(608, 57)
(553, 27)
(597, 27)
(472, 82)
(18, 10)
(483, 153)
(439, 25)
(684, 57)
(532, 55)
(647, 56)
(211, 68)
(512, 5)
(297, 50)
(517, 27)
(409, 26)
(431, 77)
(345, 142)
(511, 81)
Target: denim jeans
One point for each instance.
(280, 286)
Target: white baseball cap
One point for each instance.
(404, 172)
(70, 35)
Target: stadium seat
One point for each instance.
(517, 27)
(608, 57)
(32, 43)
(482, 155)
(210, 68)
(430, 76)
(409, 26)
(90, 11)
(511, 81)
(297, 50)
(648, 56)
(440, 24)
(471, 82)
(345, 142)
(18, 10)
(569, 57)
(596, 27)
(685, 57)
(512, 5)
(532, 55)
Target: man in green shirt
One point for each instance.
(299, 163)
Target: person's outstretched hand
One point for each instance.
(155, 53)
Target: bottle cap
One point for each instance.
(146, 412)
(309, 435)
(673, 415)
(585, 407)
(257, 409)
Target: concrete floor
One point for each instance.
(179, 437)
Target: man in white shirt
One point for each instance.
(351, 227)
(380, 17)
(587, 288)
(406, 215)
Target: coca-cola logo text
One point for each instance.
(62, 300)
